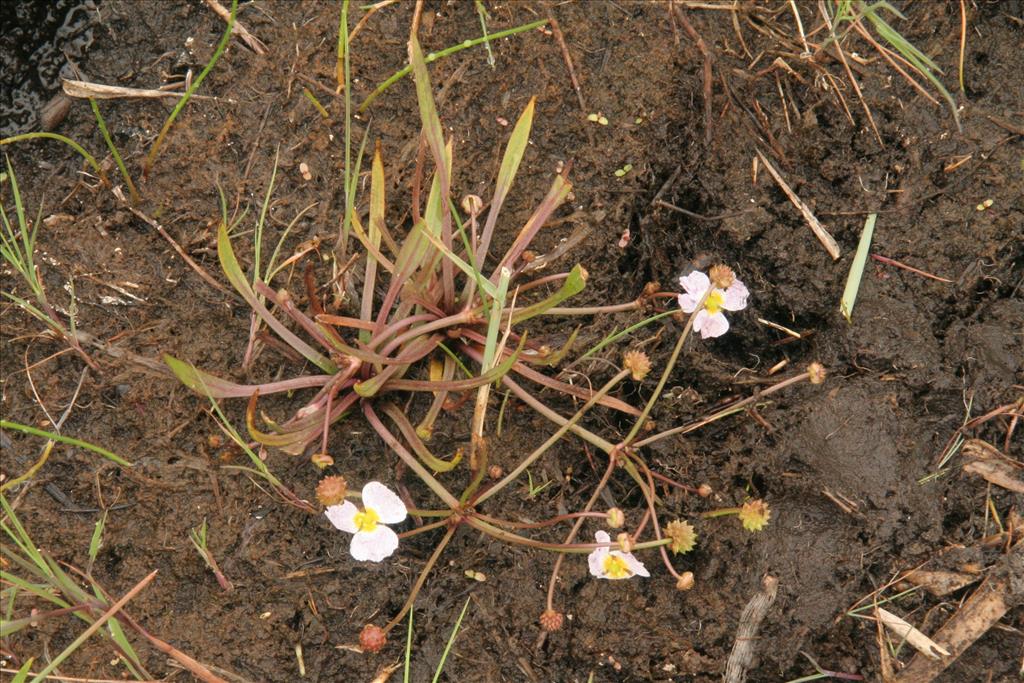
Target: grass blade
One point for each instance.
(229, 263)
(857, 268)
(18, 427)
(225, 39)
(451, 641)
(23, 672)
(506, 174)
(434, 56)
(90, 159)
(96, 542)
(434, 135)
(113, 151)
(408, 650)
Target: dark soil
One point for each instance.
(919, 355)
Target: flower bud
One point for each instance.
(331, 490)
(495, 472)
(372, 638)
(816, 373)
(321, 460)
(550, 620)
(637, 363)
(755, 515)
(472, 204)
(721, 276)
(685, 581)
(616, 518)
(625, 542)
(683, 536)
(704, 490)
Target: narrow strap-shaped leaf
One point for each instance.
(434, 135)
(376, 228)
(233, 271)
(492, 375)
(419, 448)
(571, 286)
(556, 195)
(506, 174)
(210, 385)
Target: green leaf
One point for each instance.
(857, 268)
(205, 384)
(572, 286)
(506, 174)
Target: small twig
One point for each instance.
(800, 27)
(366, 17)
(820, 232)
(254, 43)
(853, 80)
(742, 656)
(702, 46)
(698, 216)
(556, 30)
(892, 262)
(100, 91)
(181, 252)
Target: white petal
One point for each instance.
(736, 296)
(713, 325)
(688, 302)
(374, 546)
(700, 319)
(389, 507)
(696, 283)
(596, 558)
(343, 516)
(635, 565)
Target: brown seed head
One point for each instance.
(321, 460)
(495, 472)
(683, 536)
(331, 490)
(755, 515)
(721, 276)
(550, 620)
(704, 490)
(637, 363)
(685, 581)
(616, 518)
(372, 638)
(816, 373)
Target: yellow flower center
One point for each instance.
(714, 301)
(366, 520)
(616, 568)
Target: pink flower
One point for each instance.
(373, 541)
(606, 563)
(710, 321)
